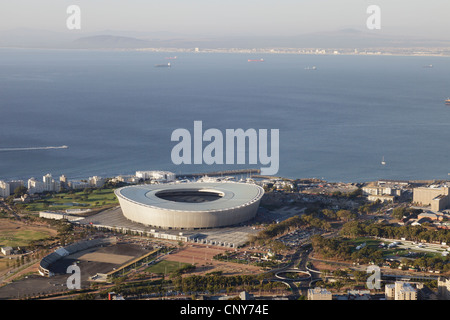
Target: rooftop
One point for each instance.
(197, 196)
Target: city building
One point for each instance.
(76, 185)
(354, 295)
(50, 184)
(7, 251)
(436, 197)
(63, 181)
(35, 186)
(58, 216)
(96, 181)
(160, 176)
(444, 288)
(126, 179)
(400, 291)
(5, 190)
(13, 185)
(382, 193)
(319, 294)
(389, 291)
(432, 216)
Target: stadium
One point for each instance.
(194, 205)
(47, 263)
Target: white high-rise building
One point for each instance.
(50, 184)
(96, 181)
(35, 186)
(5, 190)
(63, 181)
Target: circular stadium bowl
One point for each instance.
(190, 205)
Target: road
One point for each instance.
(298, 263)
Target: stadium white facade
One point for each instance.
(190, 205)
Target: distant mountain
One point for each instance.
(347, 38)
(109, 39)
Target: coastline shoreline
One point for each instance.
(440, 51)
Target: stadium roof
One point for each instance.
(232, 195)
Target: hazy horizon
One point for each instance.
(212, 18)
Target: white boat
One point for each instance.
(383, 162)
(166, 65)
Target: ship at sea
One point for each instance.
(311, 68)
(255, 60)
(171, 58)
(166, 65)
(447, 102)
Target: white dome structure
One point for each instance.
(190, 205)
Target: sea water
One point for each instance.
(115, 111)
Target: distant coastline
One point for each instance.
(431, 52)
(382, 51)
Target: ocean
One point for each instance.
(116, 112)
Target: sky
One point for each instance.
(231, 17)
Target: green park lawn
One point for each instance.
(77, 200)
(165, 267)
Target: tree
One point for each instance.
(330, 214)
(340, 274)
(355, 193)
(398, 213)
(353, 229)
(360, 276)
(345, 215)
(20, 191)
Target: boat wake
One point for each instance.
(32, 148)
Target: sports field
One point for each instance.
(166, 267)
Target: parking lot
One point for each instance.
(420, 247)
(297, 237)
(233, 236)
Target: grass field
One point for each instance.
(77, 200)
(165, 267)
(15, 234)
(21, 238)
